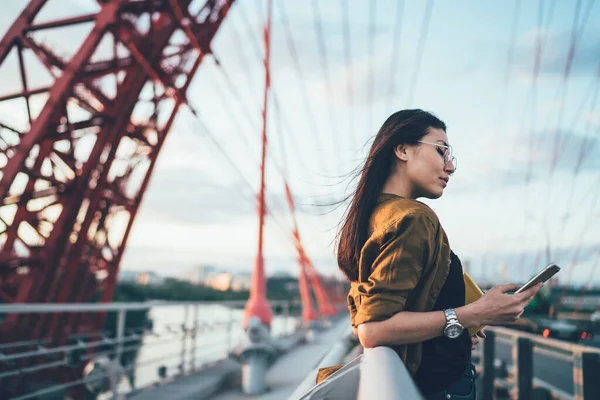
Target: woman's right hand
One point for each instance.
(497, 307)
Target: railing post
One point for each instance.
(229, 331)
(586, 370)
(489, 353)
(184, 331)
(194, 339)
(117, 362)
(524, 367)
(256, 357)
(286, 317)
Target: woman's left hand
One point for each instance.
(476, 339)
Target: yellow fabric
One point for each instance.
(326, 372)
(472, 293)
(403, 266)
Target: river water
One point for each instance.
(220, 331)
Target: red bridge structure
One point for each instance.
(58, 246)
(81, 163)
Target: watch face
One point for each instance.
(453, 331)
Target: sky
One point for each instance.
(471, 63)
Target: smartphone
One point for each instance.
(543, 276)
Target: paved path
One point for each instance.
(288, 371)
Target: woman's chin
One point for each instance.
(434, 194)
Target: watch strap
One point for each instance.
(450, 315)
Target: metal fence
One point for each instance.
(181, 346)
(377, 373)
(334, 356)
(586, 365)
(384, 376)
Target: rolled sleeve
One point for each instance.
(395, 269)
(351, 303)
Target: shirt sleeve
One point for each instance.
(351, 303)
(404, 252)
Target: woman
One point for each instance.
(407, 289)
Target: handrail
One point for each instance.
(35, 308)
(378, 373)
(384, 376)
(124, 340)
(585, 361)
(548, 343)
(334, 356)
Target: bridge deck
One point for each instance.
(290, 369)
(283, 376)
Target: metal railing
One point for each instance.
(335, 356)
(384, 376)
(377, 373)
(182, 345)
(586, 364)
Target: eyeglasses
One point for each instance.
(448, 157)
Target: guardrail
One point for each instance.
(384, 376)
(335, 356)
(586, 364)
(187, 340)
(377, 373)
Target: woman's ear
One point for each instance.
(400, 151)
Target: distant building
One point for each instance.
(199, 274)
(227, 281)
(282, 274)
(467, 266)
(150, 279)
(595, 317)
(292, 287)
(241, 282)
(127, 276)
(141, 278)
(220, 281)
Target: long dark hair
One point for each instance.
(402, 127)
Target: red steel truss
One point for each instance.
(73, 174)
(307, 269)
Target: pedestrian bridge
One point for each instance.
(201, 356)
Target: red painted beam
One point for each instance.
(257, 305)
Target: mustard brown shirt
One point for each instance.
(403, 265)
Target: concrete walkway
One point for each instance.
(198, 385)
(288, 371)
(283, 376)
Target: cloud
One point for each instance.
(189, 196)
(534, 155)
(521, 265)
(306, 45)
(364, 76)
(555, 49)
(565, 148)
(176, 262)
(593, 119)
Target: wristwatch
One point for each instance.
(453, 328)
